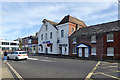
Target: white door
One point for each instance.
(86, 52)
(80, 52)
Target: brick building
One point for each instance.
(100, 41)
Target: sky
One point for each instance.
(20, 19)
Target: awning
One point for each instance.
(82, 45)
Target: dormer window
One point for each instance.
(110, 37)
(93, 39)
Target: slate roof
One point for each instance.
(51, 22)
(71, 19)
(97, 29)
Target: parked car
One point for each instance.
(17, 55)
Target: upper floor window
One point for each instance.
(41, 36)
(93, 39)
(110, 37)
(46, 36)
(110, 51)
(93, 51)
(50, 35)
(72, 29)
(74, 40)
(46, 27)
(5, 43)
(62, 33)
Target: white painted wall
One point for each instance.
(43, 31)
(10, 46)
(64, 40)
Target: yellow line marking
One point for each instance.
(114, 70)
(107, 75)
(91, 73)
(16, 73)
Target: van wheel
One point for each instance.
(8, 58)
(16, 59)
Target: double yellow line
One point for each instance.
(16, 73)
(91, 73)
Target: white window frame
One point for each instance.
(93, 53)
(74, 40)
(75, 50)
(110, 40)
(93, 40)
(110, 53)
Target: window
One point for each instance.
(41, 36)
(46, 36)
(51, 48)
(5, 43)
(39, 49)
(93, 39)
(74, 39)
(110, 51)
(50, 35)
(93, 51)
(110, 37)
(74, 50)
(72, 29)
(62, 33)
(5, 48)
(46, 27)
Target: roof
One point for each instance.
(100, 28)
(51, 22)
(71, 19)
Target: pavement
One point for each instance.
(4, 71)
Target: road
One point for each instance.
(47, 67)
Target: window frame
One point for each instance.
(93, 52)
(110, 40)
(93, 40)
(110, 53)
(62, 33)
(74, 50)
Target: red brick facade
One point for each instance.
(83, 36)
(101, 45)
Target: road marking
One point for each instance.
(16, 73)
(91, 73)
(32, 59)
(114, 70)
(47, 60)
(107, 75)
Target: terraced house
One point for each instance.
(53, 36)
(100, 41)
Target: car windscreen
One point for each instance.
(22, 52)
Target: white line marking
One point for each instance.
(91, 73)
(47, 60)
(32, 59)
(16, 73)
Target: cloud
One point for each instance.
(25, 18)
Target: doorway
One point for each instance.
(60, 50)
(46, 50)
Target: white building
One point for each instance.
(53, 37)
(9, 45)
